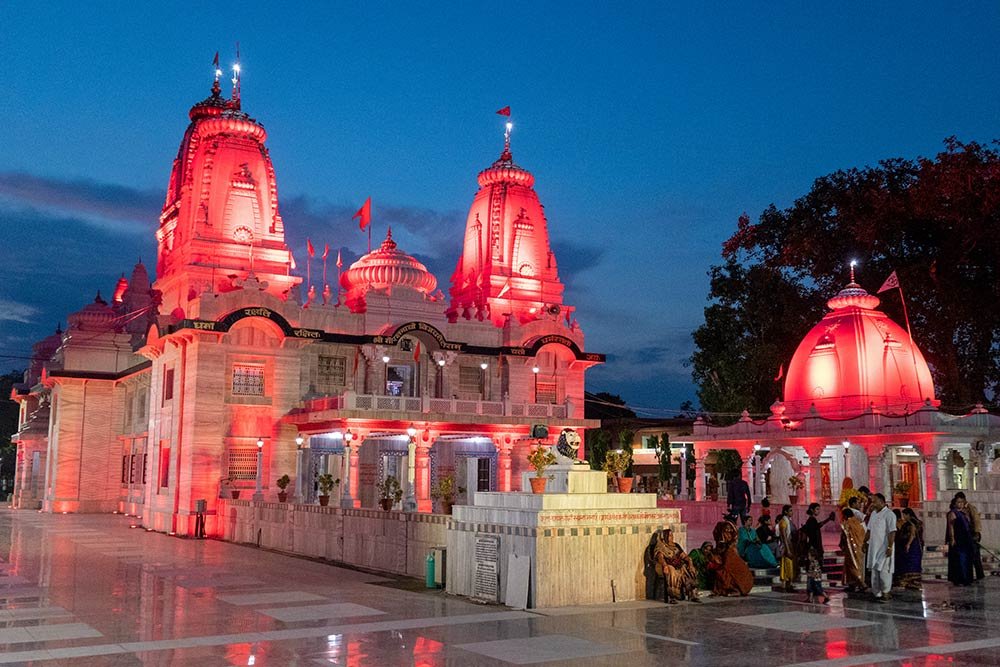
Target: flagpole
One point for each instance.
(913, 346)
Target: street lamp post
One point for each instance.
(482, 380)
(346, 500)
(258, 494)
(534, 370)
(847, 458)
(385, 375)
(410, 502)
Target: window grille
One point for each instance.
(545, 392)
(248, 380)
(168, 384)
(470, 379)
(243, 463)
(331, 374)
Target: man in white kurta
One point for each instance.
(880, 540)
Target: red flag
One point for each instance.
(326, 251)
(416, 352)
(504, 112)
(892, 282)
(216, 61)
(781, 372)
(310, 248)
(340, 263)
(365, 213)
(504, 289)
(291, 258)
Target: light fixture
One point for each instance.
(260, 443)
(846, 444)
(299, 440)
(756, 446)
(441, 362)
(411, 431)
(534, 369)
(385, 358)
(484, 365)
(348, 436)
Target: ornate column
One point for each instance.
(422, 477)
(410, 500)
(751, 474)
(945, 481)
(441, 360)
(301, 475)
(815, 478)
(699, 476)
(346, 499)
(355, 463)
(930, 480)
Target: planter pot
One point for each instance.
(625, 484)
(282, 496)
(446, 506)
(902, 501)
(324, 501)
(234, 494)
(385, 504)
(538, 484)
(793, 498)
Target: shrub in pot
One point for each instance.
(282, 484)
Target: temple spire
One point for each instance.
(216, 88)
(854, 263)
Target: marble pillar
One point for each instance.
(699, 477)
(930, 481)
(422, 477)
(346, 499)
(503, 467)
(815, 479)
(875, 481)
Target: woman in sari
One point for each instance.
(732, 576)
(675, 568)
(909, 550)
(852, 539)
(751, 550)
(700, 559)
(786, 549)
(958, 537)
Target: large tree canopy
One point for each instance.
(933, 221)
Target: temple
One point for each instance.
(228, 372)
(858, 403)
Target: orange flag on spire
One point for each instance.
(216, 61)
(340, 263)
(310, 248)
(504, 112)
(365, 213)
(326, 251)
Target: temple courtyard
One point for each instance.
(92, 590)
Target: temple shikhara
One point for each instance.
(229, 370)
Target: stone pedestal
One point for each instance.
(585, 548)
(570, 479)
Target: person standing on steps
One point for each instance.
(786, 540)
(880, 541)
(738, 497)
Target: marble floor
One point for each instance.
(91, 591)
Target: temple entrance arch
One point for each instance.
(776, 469)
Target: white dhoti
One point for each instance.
(881, 561)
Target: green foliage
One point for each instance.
(597, 444)
(932, 220)
(625, 437)
(617, 462)
(727, 463)
(663, 455)
(327, 483)
(540, 458)
(283, 482)
(445, 489)
(390, 489)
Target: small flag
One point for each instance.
(340, 262)
(291, 258)
(310, 249)
(781, 372)
(326, 252)
(504, 112)
(892, 282)
(416, 352)
(216, 60)
(365, 213)
(504, 289)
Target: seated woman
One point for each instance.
(751, 550)
(732, 576)
(675, 568)
(700, 559)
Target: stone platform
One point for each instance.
(570, 478)
(584, 548)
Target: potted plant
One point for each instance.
(326, 484)
(282, 483)
(540, 458)
(389, 492)
(901, 493)
(616, 462)
(227, 483)
(795, 483)
(444, 491)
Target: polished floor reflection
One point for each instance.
(90, 590)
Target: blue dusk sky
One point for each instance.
(649, 127)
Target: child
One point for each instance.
(765, 508)
(814, 574)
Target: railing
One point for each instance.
(426, 405)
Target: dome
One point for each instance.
(382, 269)
(854, 359)
(96, 316)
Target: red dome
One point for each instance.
(854, 359)
(383, 269)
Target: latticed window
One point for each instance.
(331, 374)
(545, 392)
(470, 379)
(243, 463)
(248, 380)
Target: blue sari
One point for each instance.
(757, 555)
(960, 545)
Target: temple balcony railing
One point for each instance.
(429, 405)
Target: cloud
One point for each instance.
(105, 205)
(12, 311)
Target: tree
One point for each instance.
(727, 463)
(663, 454)
(598, 444)
(8, 424)
(932, 220)
(603, 405)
